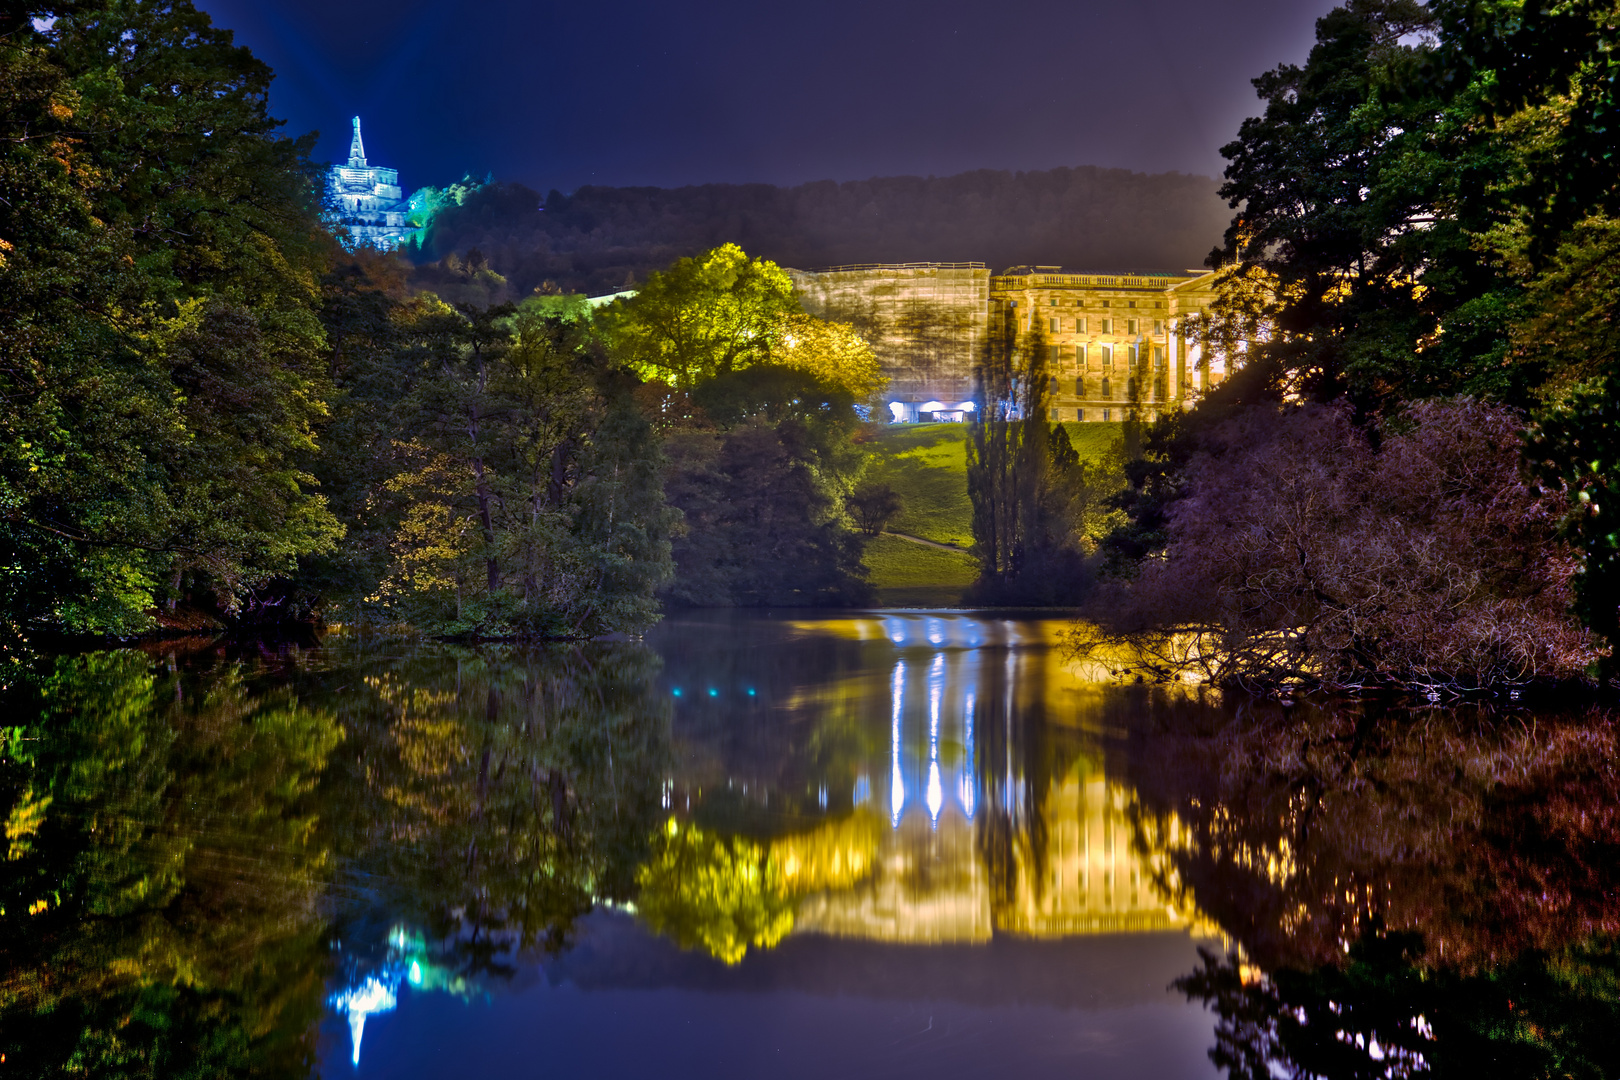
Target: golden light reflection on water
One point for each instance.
(955, 832)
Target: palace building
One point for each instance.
(1116, 341)
(367, 201)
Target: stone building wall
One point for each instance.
(925, 321)
(1117, 341)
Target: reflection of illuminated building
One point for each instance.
(947, 842)
(1087, 878)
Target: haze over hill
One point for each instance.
(600, 239)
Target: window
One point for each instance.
(1080, 355)
(1107, 393)
(1108, 356)
(1057, 414)
(1108, 414)
(1080, 415)
(1130, 326)
(1130, 303)
(1107, 326)
(1054, 301)
(1080, 387)
(1158, 359)
(1105, 303)
(1079, 326)
(1158, 326)
(1056, 327)
(1054, 355)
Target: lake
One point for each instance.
(875, 844)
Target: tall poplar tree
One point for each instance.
(1022, 473)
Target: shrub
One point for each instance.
(1303, 554)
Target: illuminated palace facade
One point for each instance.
(367, 201)
(1115, 340)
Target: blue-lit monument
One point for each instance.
(366, 200)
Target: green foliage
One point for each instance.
(157, 289)
(1536, 1015)
(1023, 477)
(157, 904)
(762, 475)
(719, 895)
(509, 485)
(704, 316)
(1427, 211)
(515, 787)
(873, 505)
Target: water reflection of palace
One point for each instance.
(989, 811)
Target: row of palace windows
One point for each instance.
(1104, 326)
(1104, 387)
(1083, 415)
(1104, 303)
(1103, 355)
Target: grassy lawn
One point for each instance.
(911, 575)
(927, 465)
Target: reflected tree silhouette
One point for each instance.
(159, 912)
(1377, 865)
(494, 796)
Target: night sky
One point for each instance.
(668, 93)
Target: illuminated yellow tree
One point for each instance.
(718, 895)
(715, 313)
(832, 352)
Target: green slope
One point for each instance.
(927, 465)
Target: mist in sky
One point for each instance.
(661, 93)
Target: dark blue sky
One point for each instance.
(666, 93)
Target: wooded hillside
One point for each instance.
(600, 238)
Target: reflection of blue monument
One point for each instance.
(366, 200)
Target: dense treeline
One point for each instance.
(215, 415)
(1427, 247)
(601, 239)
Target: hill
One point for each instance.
(927, 465)
(600, 239)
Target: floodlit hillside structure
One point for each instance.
(1116, 341)
(367, 201)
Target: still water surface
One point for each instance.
(886, 844)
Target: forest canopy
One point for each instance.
(600, 239)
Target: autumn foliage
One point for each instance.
(1309, 550)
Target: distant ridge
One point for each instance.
(600, 239)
